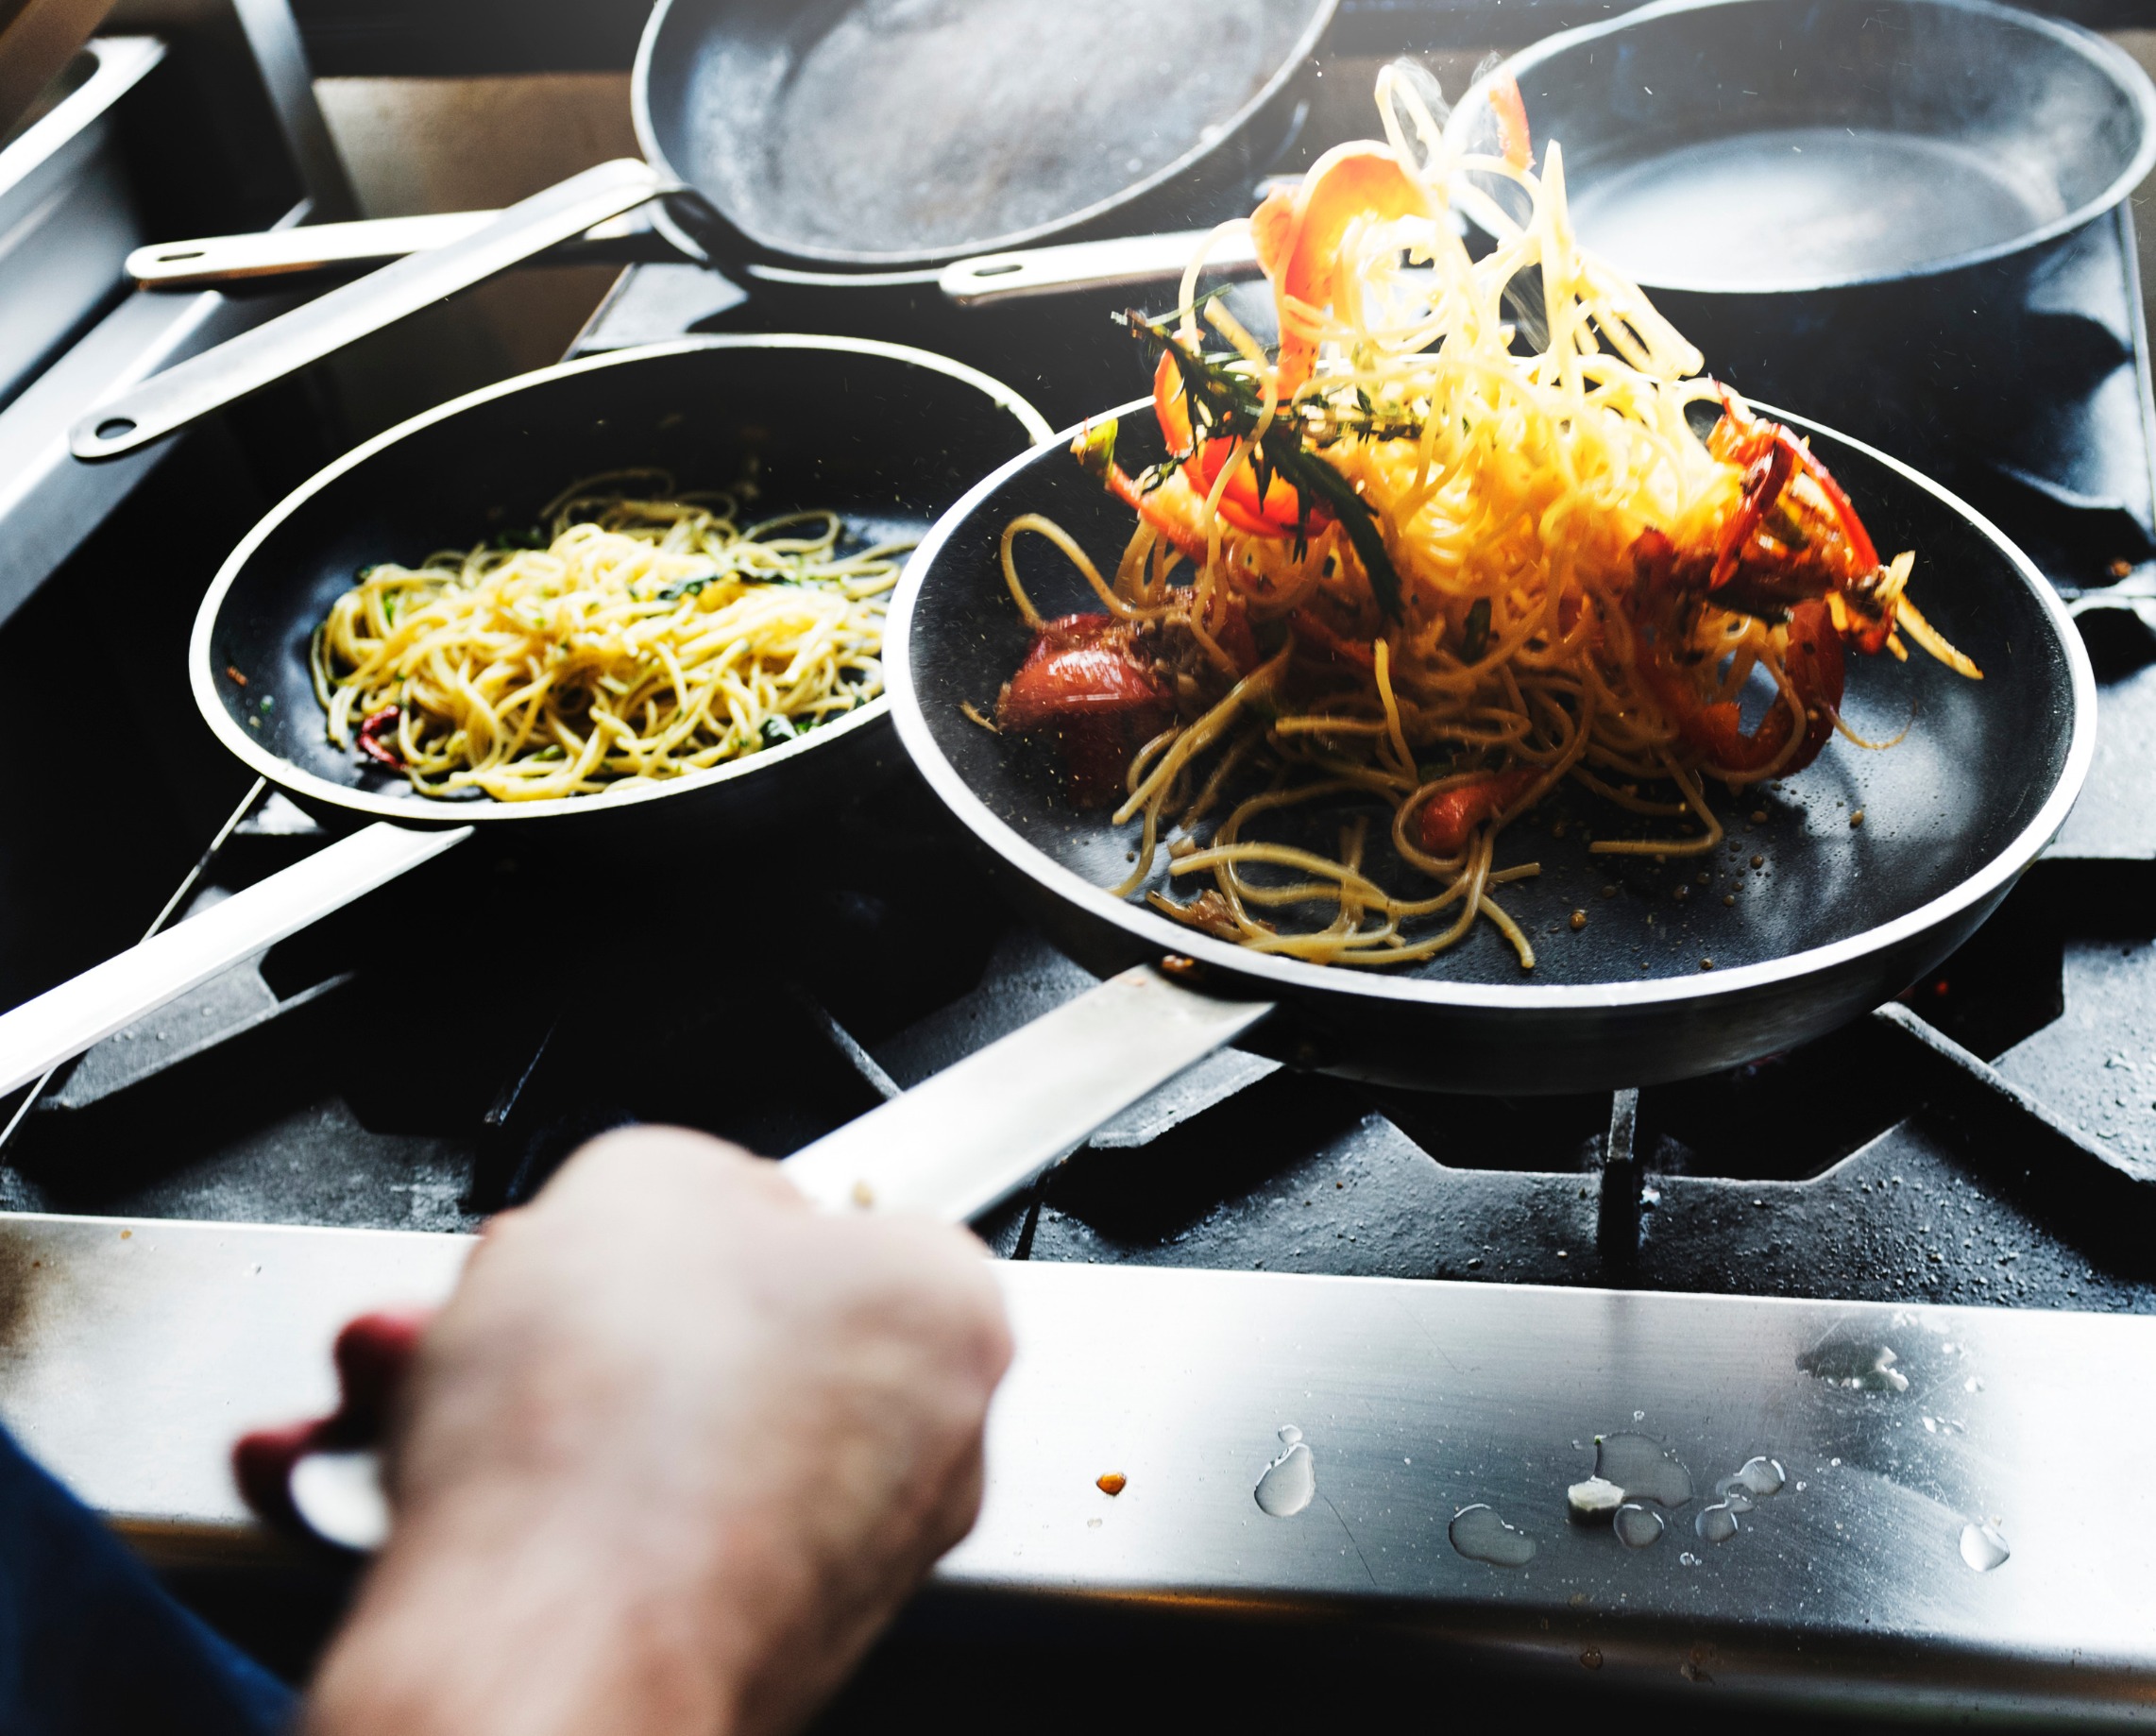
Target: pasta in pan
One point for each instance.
(1454, 542)
(646, 635)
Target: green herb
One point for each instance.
(549, 753)
(1096, 448)
(1474, 637)
(778, 729)
(1227, 405)
(508, 541)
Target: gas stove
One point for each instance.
(1350, 1348)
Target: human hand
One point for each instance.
(673, 1453)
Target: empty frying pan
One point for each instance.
(863, 143)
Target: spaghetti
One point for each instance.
(1455, 542)
(648, 635)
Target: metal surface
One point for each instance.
(984, 281)
(209, 261)
(1128, 262)
(181, 394)
(67, 215)
(978, 1133)
(1848, 1590)
(60, 1024)
(137, 1350)
(49, 503)
(1844, 917)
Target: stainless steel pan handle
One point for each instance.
(1127, 261)
(980, 1131)
(217, 261)
(170, 401)
(214, 261)
(963, 1141)
(60, 1024)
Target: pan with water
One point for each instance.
(1854, 208)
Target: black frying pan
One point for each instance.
(1879, 212)
(877, 136)
(1840, 919)
(887, 436)
(847, 143)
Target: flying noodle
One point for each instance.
(1455, 543)
(648, 634)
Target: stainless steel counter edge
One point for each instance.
(1910, 1441)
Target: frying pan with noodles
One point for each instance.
(886, 436)
(1841, 915)
(858, 144)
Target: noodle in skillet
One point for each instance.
(1435, 555)
(649, 639)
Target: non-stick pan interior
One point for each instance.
(1800, 871)
(1769, 144)
(889, 443)
(859, 128)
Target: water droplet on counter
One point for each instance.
(1637, 1527)
(1480, 1534)
(1639, 1416)
(1643, 1468)
(1759, 1479)
(1290, 1482)
(1689, 1559)
(1853, 1360)
(1756, 1480)
(1984, 1547)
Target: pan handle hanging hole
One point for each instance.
(1001, 268)
(115, 428)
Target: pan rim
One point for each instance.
(845, 264)
(2112, 61)
(287, 774)
(1733, 984)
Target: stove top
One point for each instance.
(1479, 1282)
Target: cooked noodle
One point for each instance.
(1516, 467)
(651, 637)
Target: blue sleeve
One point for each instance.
(90, 1642)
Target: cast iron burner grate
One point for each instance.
(1886, 1162)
